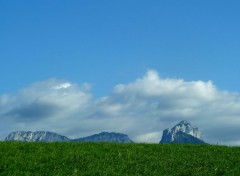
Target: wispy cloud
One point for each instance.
(142, 109)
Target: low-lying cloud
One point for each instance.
(142, 109)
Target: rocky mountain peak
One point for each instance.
(187, 128)
(183, 132)
(183, 123)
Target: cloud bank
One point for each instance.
(142, 109)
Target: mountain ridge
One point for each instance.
(37, 136)
(46, 136)
(105, 137)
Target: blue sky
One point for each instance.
(107, 43)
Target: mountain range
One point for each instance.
(45, 136)
(182, 133)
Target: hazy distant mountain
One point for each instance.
(182, 133)
(38, 136)
(106, 137)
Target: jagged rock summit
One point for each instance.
(38, 136)
(182, 133)
(45, 136)
(106, 137)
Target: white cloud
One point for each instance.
(142, 109)
(151, 85)
(62, 86)
(149, 137)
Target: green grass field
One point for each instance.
(117, 159)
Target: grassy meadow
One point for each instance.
(19, 158)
